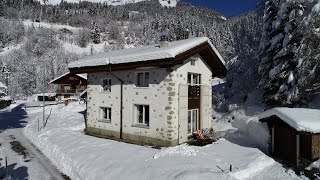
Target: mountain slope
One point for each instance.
(168, 3)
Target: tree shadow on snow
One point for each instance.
(13, 118)
(20, 173)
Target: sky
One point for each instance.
(227, 7)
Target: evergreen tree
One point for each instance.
(309, 55)
(281, 40)
(95, 33)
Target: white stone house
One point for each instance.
(157, 94)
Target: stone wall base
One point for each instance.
(130, 138)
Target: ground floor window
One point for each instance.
(142, 114)
(193, 118)
(105, 113)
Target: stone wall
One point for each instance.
(315, 146)
(157, 96)
(166, 96)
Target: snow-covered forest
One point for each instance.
(274, 49)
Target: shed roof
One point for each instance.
(145, 53)
(83, 76)
(301, 119)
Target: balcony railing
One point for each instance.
(69, 91)
(194, 91)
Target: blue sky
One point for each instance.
(226, 7)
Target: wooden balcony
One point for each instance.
(194, 91)
(69, 91)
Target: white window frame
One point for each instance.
(109, 80)
(103, 113)
(192, 120)
(144, 83)
(198, 78)
(136, 120)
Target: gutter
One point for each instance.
(121, 98)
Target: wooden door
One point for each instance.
(285, 143)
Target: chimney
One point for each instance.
(164, 41)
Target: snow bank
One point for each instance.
(314, 165)
(249, 130)
(181, 150)
(258, 164)
(86, 157)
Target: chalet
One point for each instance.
(70, 86)
(158, 94)
(295, 134)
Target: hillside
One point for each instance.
(167, 3)
(61, 33)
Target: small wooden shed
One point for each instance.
(295, 134)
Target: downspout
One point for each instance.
(121, 97)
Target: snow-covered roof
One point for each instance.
(145, 53)
(84, 76)
(3, 86)
(301, 119)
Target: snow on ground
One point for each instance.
(53, 26)
(22, 163)
(168, 3)
(86, 157)
(90, 48)
(6, 50)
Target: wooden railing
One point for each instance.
(194, 91)
(69, 91)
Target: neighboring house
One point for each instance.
(295, 134)
(3, 88)
(70, 86)
(157, 94)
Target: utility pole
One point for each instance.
(43, 97)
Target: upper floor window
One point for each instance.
(143, 79)
(106, 84)
(194, 79)
(193, 62)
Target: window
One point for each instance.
(106, 84)
(105, 113)
(192, 120)
(194, 79)
(143, 79)
(193, 62)
(142, 114)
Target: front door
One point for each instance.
(193, 120)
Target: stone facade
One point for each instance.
(167, 97)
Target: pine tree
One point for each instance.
(309, 55)
(95, 33)
(281, 40)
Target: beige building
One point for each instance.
(155, 95)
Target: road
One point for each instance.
(25, 161)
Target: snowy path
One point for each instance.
(86, 157)
(24, 160)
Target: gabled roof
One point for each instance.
(152, 54)
(83, 76)
(301, 119)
